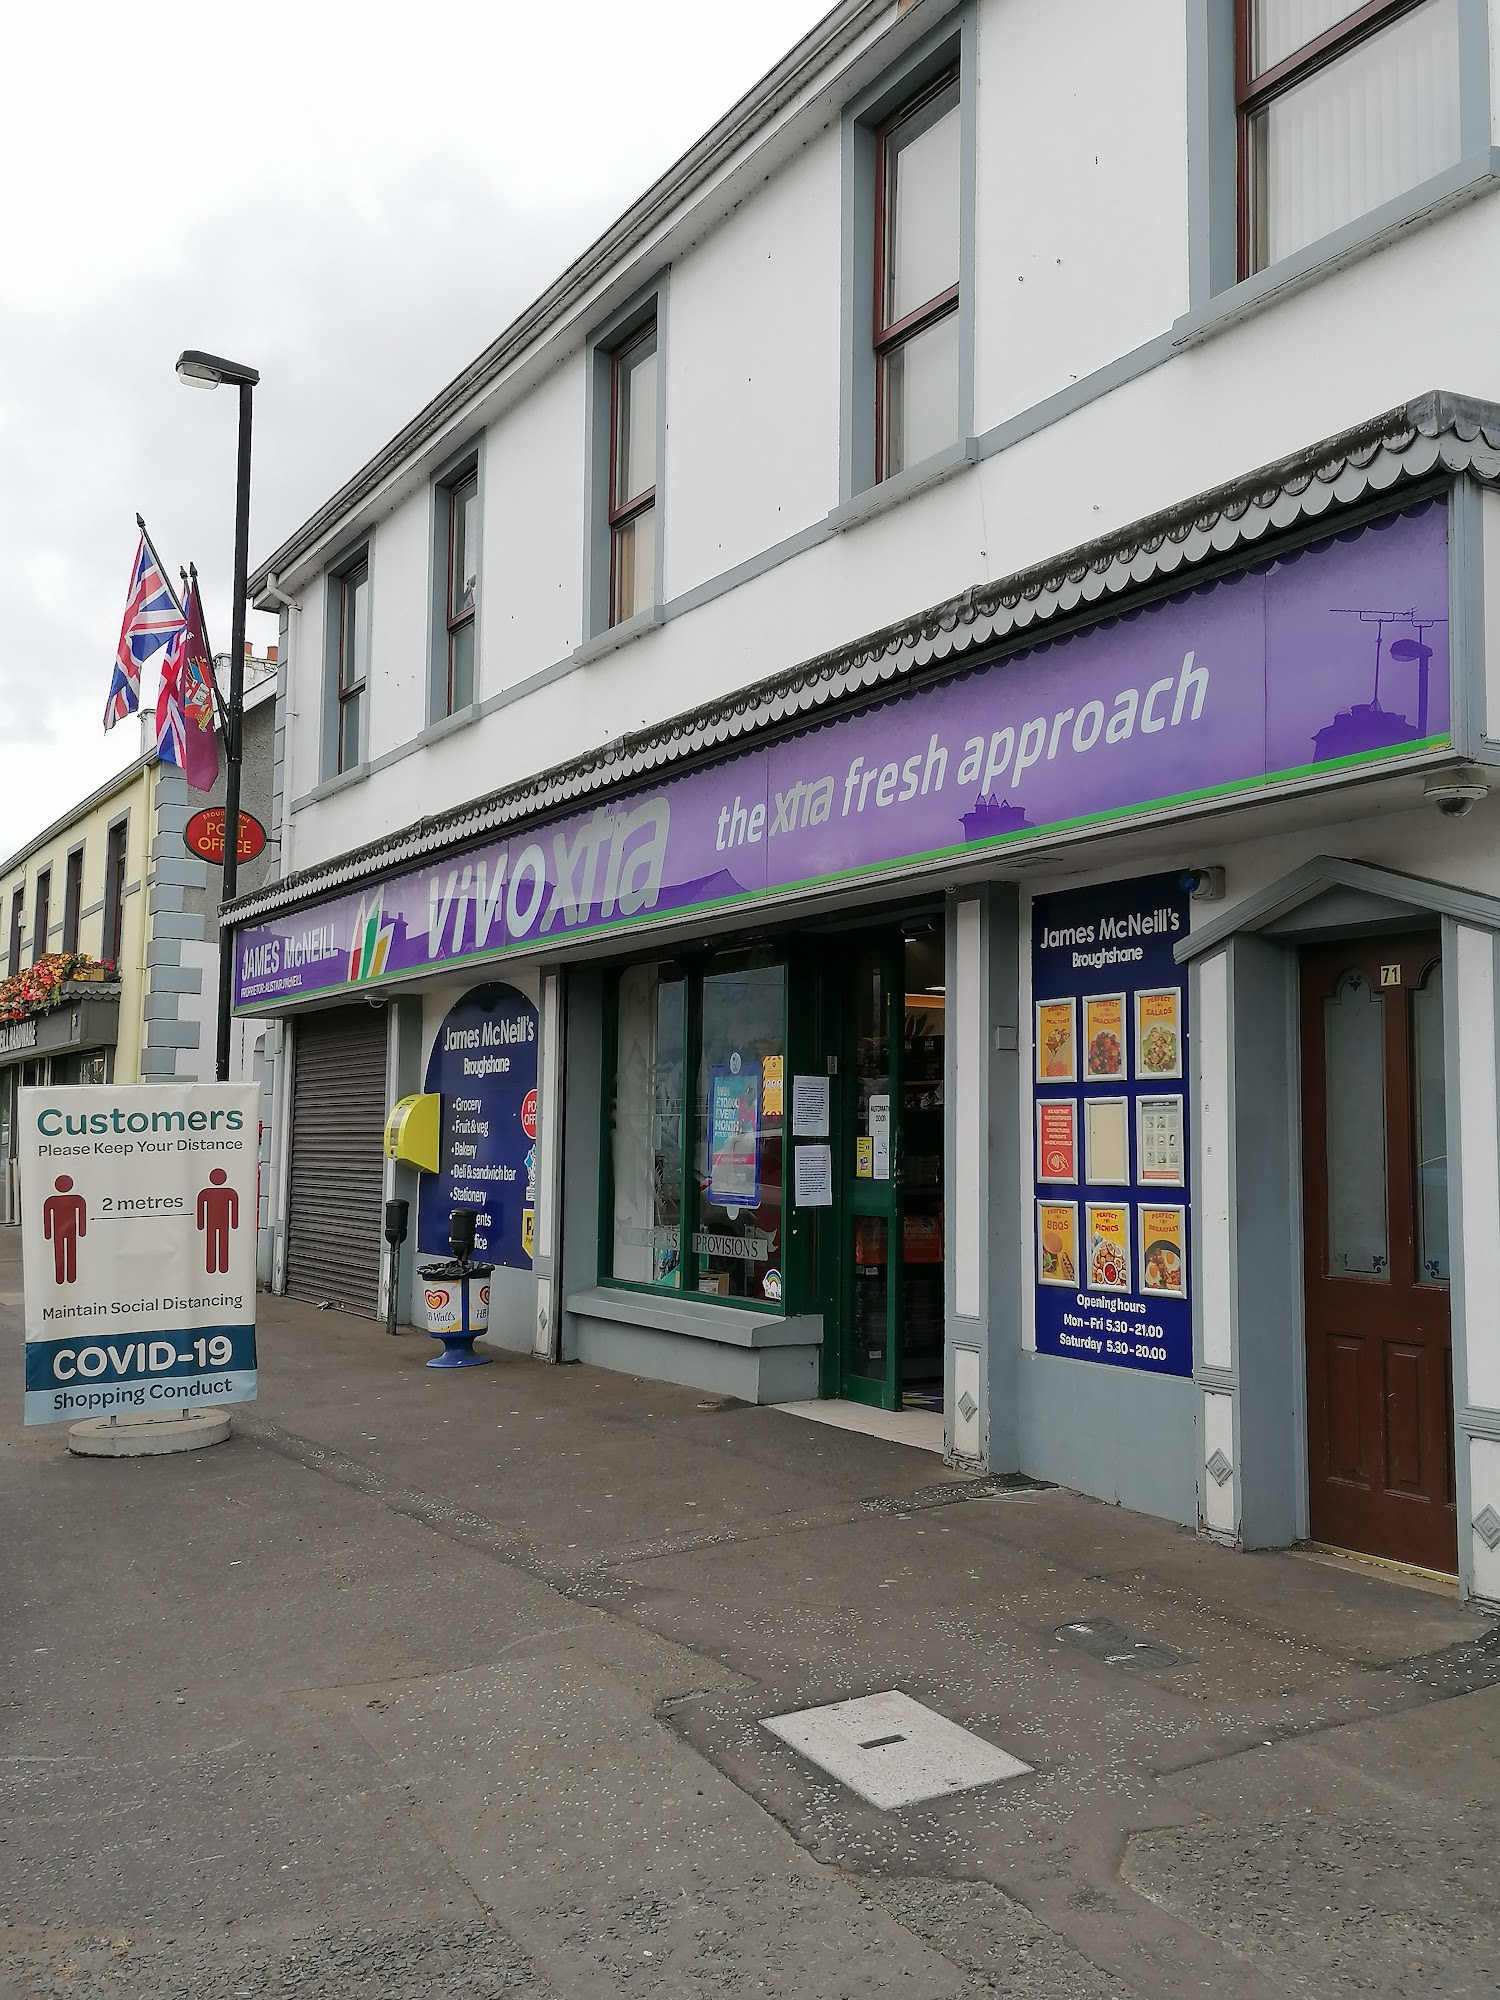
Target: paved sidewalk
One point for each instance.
(453, 1685)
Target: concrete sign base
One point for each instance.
(147, 1437)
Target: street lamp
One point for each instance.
(207, 371)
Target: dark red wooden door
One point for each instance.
(1375, 1212)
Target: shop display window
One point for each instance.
(695, 1202)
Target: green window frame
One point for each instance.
(674, 1030)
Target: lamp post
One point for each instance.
(207, 371)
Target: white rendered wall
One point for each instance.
(1081, 192)
(753, 374)
(753, 341)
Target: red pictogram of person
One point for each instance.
(65, 1217)
(218, 1213)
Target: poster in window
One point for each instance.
(1057, 1243)
(734, 1135)
(1104, 1035)
(1057, 1139)
(1106, 1142)
(1158, 1032)
(1056, 1054)
(880, 1138)
(1163, 1265)
(1158, 1141)
(1108, 1248)
(771, 1077)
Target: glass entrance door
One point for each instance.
(1375, 1255)
(890, 1171)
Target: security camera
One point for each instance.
(1204, 885)
(1453, 792)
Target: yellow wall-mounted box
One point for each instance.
(414, 1132)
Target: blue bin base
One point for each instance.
(458, 1352)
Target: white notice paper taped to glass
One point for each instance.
(880, 1137)
(809, 1107)
(812, 1176)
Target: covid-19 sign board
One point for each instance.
(138, 1239)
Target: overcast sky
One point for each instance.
(354, 200)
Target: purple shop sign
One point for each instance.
(1333, 657)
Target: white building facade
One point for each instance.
(909, 754)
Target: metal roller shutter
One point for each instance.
(334, 1204)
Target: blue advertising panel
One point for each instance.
(483, 1065)
(1111, 1161)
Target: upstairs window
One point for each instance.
(72, 900)
(353, 662)
(632, 477)
(42, 917)
(17, 930)
(114, 890)
(917, 263)
(1341, 107)
(462, 500)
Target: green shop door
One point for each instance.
(890, 1171)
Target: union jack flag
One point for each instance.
(153, 618)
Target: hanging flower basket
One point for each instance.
(45, 984)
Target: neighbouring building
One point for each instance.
(109, 958)
(910, 753)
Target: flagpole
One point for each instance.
(160, 566)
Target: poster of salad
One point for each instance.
(1158, 1032)
(1104, 1035)
(1112, 1034)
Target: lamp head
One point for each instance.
(206, 371)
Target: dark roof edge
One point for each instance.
(1417, 440)
(822, 44)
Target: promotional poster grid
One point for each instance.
(1110, 1125)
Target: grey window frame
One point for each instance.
(465, 464)
(358, 555)
(17, 944)
(1215, 289)
(72, 898)
(608, 339)
(951, 46)
(116, 869)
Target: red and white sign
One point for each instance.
(1057, 1139)
(528, 1114)
(204, 835)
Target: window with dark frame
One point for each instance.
(462, 588)
(353, 661)
(17, 930)
(632, 476)
(41, 918)
(114, 890)
(1341, 106)
(72, 900)
(917, 255)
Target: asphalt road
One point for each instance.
(453, 1685)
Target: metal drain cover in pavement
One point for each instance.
(892, 1751)
(1103, 1639)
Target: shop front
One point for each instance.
(1074, 1013)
